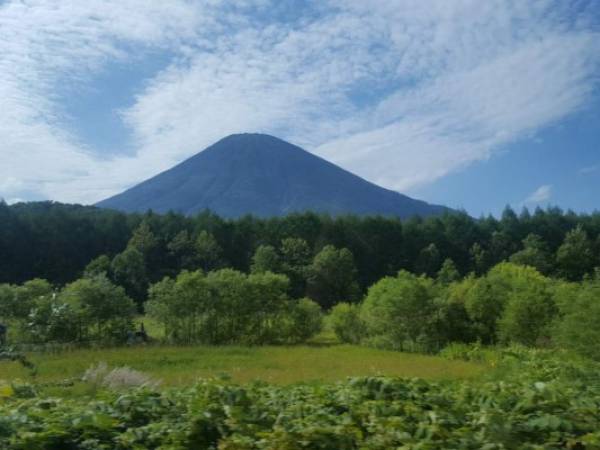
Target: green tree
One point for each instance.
(26, 296)
(264, 307)
(222, 307)
(332, 277)
(398, 311)
(97, 266)
(295, 252)
(501, 246)
(53, 320)
(105, 310)
(448, 273)
(233, 313)
(535, 254)
(208, 251)
(305, 320)
(184, 306)
(143, 240)
(512, 303)
(7, 302)
(266, 259)
(578, 328)
(346, 322)
(574, 257)
(162, 308)
(529, 311)
(453, 323)
(480, 259)
(428, 261)
(129, 270)
(183, 250)
(295, 261)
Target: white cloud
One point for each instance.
(401, 93)
(589, 169)
(540, 195)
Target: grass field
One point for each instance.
(178, 366)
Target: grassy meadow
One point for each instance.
(181, 366)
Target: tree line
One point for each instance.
(220, 307)
(411, 285)
(511, 304)
(56, 242)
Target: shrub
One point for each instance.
(105, 311)
(221, 307)
(543, 403)
(305, 319)
(346, 323)
(511, 304)
(578, 328)
(398, 312)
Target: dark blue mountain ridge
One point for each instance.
(265, 176)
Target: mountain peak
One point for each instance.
(260, 174)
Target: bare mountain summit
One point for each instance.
(264, 176)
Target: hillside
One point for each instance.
(265, 176)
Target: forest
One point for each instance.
(417, 285)
(497, 318)
(56, 242)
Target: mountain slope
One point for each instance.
(264, 176)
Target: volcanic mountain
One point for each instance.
(264, 176)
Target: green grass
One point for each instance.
(179, 366)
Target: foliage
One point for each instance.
(452, 322)
(55, 242)
(448, 273)
(574, 257)
(143, 240)
(511, 303)
(549, 404)
(295, 260)
(128, 269)
(266, 259)
(182, 251)
(303, 321)
(529, 309)
(227, 306)
(98, 266)
(398, 312)
(429, 260)
(26, 296)
(578, 327)
(208, 252)
(332, 277)
(7, 302)
(53, 320)
(346, 323)
(102, 310)
(535, 254)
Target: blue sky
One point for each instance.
(466, 103)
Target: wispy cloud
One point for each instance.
(540, 195)
(401, 93)
(589, 169)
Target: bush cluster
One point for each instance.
(87, 310)
(511, 304)
(546, 404)
(230, 307)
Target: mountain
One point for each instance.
(264, 176)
